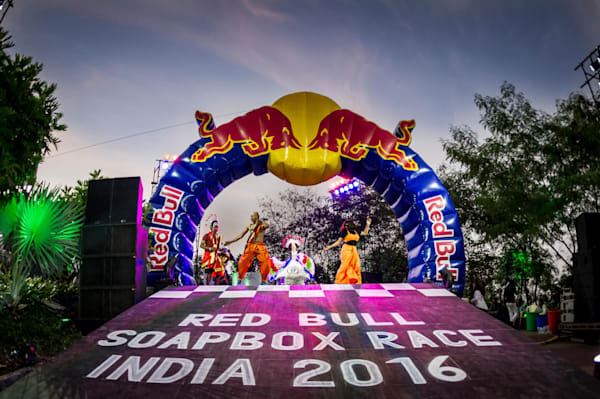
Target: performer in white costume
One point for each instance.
(297, 269)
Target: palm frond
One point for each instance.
(47, 233)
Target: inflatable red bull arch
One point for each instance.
(305, 139)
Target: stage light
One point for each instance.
(341, 186)
(164, 165)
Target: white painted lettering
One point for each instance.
(442, 336)
(225, 320)
(247, 341)
(311, 319)
(181, 341)
(131, 366)
(115, 338)
(241, 368)
(380, 338)
(261, 319)
(327, 341)
(417, 340)
(155, 337)
(210, 338)
(482, 340)
(296, 338)
(185, 367)
(195, 319)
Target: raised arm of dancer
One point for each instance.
(335, 244)
(366, 230)
(236, 238)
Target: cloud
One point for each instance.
(265, 12)
(308, 54)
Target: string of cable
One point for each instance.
(134, 135)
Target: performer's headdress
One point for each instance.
(287, 241)
(211, 220)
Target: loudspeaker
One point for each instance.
(102, 304)
(109, 282)
(109, 239)
(110, 271)
(114, 248)
(114, 201)
(587, 226)
(586, 285)
(371, 277)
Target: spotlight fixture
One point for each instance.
(343, 186)
(161, 167)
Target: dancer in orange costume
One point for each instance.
(349, 271)
(255, 248)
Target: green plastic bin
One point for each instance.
(531, 321)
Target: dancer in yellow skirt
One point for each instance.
(349, 271)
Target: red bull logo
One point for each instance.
(259, 132)
(352, 136)
(444, 249)
(164, 217)
(161, 249)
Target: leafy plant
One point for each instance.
(78, 194)
(33, 330)
(40, 233)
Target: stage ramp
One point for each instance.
(322, 341)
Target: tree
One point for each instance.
(78, 194)
(520, 189)
(302, 214)
(28, 119)
(318, 219)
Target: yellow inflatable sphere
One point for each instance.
(305, 167)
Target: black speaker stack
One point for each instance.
(114, 246)
(371, 277)
(586, 268)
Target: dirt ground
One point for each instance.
(572, 349)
